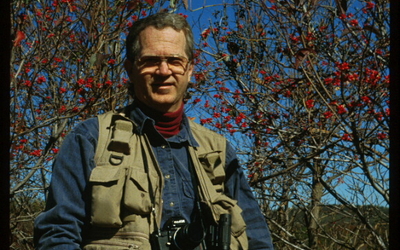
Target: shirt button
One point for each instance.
(163, 146)
(171, 204)
(167, 176)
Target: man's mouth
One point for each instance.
(162, 86)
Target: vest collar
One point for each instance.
(143, 122)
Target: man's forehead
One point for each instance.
(167, 40)
(151, 29)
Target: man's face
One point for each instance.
(156, 85)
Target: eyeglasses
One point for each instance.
(149, 64)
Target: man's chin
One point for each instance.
(165, 106)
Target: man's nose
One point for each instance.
(163, 68)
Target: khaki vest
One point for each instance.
(127, 186)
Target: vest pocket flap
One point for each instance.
(213, 165)
(140, 180)
(136, 196)
(223, 201)
(211, 158)
(223, 204)
(104, 174)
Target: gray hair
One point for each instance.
(159, 21)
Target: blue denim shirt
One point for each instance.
(66, 219)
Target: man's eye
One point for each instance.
(150, 61)
(175, 61)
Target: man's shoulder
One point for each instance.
(205, 136)
(89, 124)
(196, 126)
(88, 129)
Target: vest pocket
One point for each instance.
(107, 185)
(213, 165)
(136, 194)
(223, 204)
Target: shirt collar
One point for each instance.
(142, 121)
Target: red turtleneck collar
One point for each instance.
(167, 124)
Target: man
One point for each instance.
(171, 184)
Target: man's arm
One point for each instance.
(238, 188)
(62, 223)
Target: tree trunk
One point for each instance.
(314, 216)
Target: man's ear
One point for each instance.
(191, 68)
(128, 65)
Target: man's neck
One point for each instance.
(167, 124)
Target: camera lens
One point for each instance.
(189, 236)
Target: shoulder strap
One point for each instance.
(115, 131)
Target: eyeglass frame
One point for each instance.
(160, 60)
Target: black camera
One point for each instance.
(180, 235)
